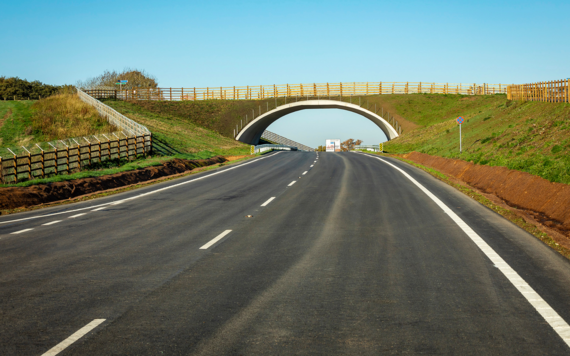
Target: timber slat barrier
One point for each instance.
(72, 158)
(320, 90)
(556, 91)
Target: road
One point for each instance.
(289, 253)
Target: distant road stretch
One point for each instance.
(289, 253)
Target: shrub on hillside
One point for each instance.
(23, 89)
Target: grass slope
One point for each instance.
(533, 137)
(23, 123)
(15, 118)
(187, 135)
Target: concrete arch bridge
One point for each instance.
(254, 129)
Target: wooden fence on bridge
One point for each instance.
(557, 91)
(314, 90)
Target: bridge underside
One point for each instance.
(252, 132)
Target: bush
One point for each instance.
(23, 89)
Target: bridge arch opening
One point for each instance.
(252, 132)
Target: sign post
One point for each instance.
(120, 83)
(460, 121)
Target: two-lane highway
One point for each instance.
(290, 253)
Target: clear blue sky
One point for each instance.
(226, 43)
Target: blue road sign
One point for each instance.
(460, 120)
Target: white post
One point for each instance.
(460, 138)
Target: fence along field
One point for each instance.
(557, 91)
(72, 158)
(318, 90)
(75, 154)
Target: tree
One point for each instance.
(321, 149)
(136, 79)
(349, 144)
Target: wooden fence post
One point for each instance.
(136, 148)
(99, 151)
(15, 169)
(67, 158)
(55, 157)
(43, 165)
(29, 166)
(1, 168)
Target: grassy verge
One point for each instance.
(509, 214)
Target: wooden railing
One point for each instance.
(557, 91)
(320, 90)
(71, 158)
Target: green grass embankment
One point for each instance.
(15, 119)
(170, 125)
(533, 137)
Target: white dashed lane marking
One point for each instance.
(215, 239)
(268, 201)
(293, 182)
(76, 216)
(305, 172)
(73, 338)
(51, 223)
(21, 231)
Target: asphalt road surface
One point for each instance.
(284, 254)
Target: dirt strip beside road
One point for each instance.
(550, 202)
(23, 197)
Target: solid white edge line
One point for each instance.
(21, 231)
(293, 182)
(73, 338)
(268, 201)
(75, 216)
(305, 172)
(215, 239)
(142, 195)
(540, 305)
(53, 222)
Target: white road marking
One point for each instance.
(73, 338)
(101, 208)
(542, 307)
(305, 172)
(21, 231)
(293, 182)
(215, 239)
(78, 215)
(51, 223)
(312, 165)
(144, 194)
(268, 201)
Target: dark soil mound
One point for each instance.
(22, 197)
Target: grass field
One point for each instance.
(533, 137)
